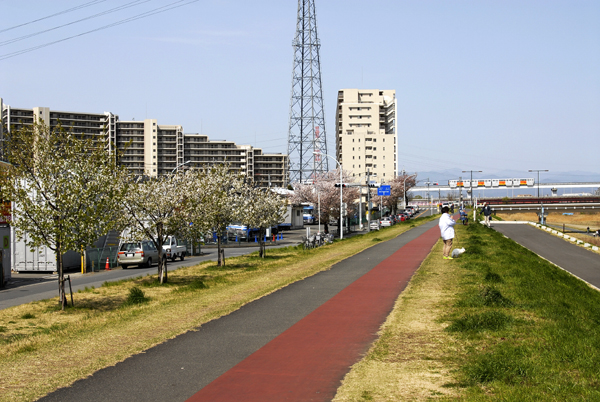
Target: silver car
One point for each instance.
(387, 221)
(375, 225)
(141, 253)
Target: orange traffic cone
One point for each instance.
(107, 267)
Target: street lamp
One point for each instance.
(542, 220)
(180, 165)
(538, 172)
(471, 182)
(341, 192)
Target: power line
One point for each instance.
(110, 11)
(158, 10)
(91, 3)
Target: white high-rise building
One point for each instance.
(366, 133)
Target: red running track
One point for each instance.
(308, 361)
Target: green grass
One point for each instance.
(528, 331)
(497, 323)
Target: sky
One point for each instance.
(481, 85)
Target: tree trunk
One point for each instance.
(162, 259)
(260, 243)
(219, 260)
(62, 298)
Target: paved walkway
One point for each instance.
(580, 262)
(295, 344)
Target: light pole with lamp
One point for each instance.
(538, 181)
(538, 192)
(341, 192)
(471, 182)
(180, 165)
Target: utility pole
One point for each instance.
(369, 199)
(404, 190)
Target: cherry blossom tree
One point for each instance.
(222, 199)
(262, 209)
(158, 207)
(324, 192)
(66, 189)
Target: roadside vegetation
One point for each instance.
(497, 323)
(574, 224)
(44, 348)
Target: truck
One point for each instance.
(308, 215)
(294, 218)
(174, 248)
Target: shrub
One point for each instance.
(136, 296)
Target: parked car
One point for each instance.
(375, 225)
(141, 253)
(174, 248)
(387, 221)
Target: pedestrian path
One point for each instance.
(580, 262)
(295, 344)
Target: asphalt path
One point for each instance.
(178, 368)
(582, 263)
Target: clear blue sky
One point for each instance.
(486, 85)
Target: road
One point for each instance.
(28, 287)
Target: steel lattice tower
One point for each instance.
(307, 121)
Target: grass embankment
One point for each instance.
(43, 348)
(497, 323)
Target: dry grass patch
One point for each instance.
(101, 330)
(580, 219)
(409, 360)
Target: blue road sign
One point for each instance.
(384, 190)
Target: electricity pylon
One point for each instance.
(306, 135)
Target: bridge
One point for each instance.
(446, 187)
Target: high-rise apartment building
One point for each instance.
(152, 149)
(148, 147)
(264, 169)
(366, 133)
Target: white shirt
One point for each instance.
(446, 226)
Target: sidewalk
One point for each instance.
(295, 344)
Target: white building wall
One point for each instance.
(366, 133)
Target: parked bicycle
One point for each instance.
(316, 240)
